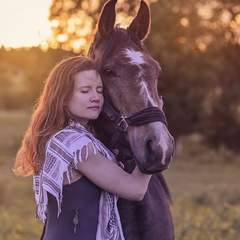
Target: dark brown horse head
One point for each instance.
(130, 77)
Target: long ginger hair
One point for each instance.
(50, 114)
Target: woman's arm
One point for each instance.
(110, 177)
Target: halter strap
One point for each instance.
(147, 115)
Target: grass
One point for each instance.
(12, 126)
(17, 203)
(206, 195)
(204, 186)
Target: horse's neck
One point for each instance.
(103, 129)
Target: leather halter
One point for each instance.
(147, 115)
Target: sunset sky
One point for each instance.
(23, 22)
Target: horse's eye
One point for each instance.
(108, 72)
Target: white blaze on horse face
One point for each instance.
(138, 59)
(145, 90)
(164, 146)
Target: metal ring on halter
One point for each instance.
(125, 124)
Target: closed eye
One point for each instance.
(99, 89)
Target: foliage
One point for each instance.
(197, 47)
(13, 125)
(194, 221)
(16, 200)
(22, 74)
(74, 21)
(206, 197)
(222, 120)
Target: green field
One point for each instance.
(206, 193)
(204, 186)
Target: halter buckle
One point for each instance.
(124, 123)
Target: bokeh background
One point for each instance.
(197, 44)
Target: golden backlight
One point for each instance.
(24, 23)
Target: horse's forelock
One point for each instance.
(118, 38)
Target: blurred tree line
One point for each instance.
(197, 44)
(22, 74)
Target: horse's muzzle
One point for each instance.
(151, 169)
(155, 158)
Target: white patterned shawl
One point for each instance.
(63, 152)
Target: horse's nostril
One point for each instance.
(149, 146)
(158, 154)
(153, 150)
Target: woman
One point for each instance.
(76, 178)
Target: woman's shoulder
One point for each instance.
(67, 133)
(69, 137)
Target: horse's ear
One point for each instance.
(107, 18)
(140, 25)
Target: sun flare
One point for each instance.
(24, 23)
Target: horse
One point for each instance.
(133, 123)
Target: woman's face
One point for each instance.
(87, 98)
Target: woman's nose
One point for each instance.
(95, 97)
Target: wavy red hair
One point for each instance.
(49, 115)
